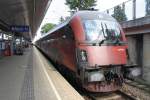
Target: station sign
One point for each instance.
(19, 28)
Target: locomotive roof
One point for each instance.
(93, 15)
(84, 15)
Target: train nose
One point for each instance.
(106, 55)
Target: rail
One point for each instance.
(117, 95)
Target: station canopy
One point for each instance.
(23, 13)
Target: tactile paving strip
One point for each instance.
(27, 90)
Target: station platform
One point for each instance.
(32, 77)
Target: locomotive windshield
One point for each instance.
(100, 30)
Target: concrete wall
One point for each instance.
(138, 35)
(146, 57)
(132, 50)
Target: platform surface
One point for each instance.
(32, 77)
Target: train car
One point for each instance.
(92, 46)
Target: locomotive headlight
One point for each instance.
(95, 76)
(83, 55)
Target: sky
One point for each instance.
(58, 8)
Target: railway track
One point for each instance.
(142, 86)
(117, 95)
(126, 96)
(131, 90)
(138, 90)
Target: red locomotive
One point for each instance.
(91, 45)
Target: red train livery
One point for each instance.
(93, 46)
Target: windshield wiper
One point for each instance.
(101, 42)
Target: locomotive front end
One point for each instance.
(101, 55)
(100, 69)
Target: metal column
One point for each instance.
(12, 44)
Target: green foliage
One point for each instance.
(119, 14)
(62, 19)
(80, 4)
(48, 26)
(147, 7)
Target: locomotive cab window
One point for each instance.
(102, 30)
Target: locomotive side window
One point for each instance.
(69, 32)
(55, 35)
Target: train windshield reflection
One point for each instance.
(100, 30)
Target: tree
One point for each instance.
(62, 19)
(147, 7)
(119, 14)
(80, 4)
(48, 26)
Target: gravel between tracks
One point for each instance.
(136, 92)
